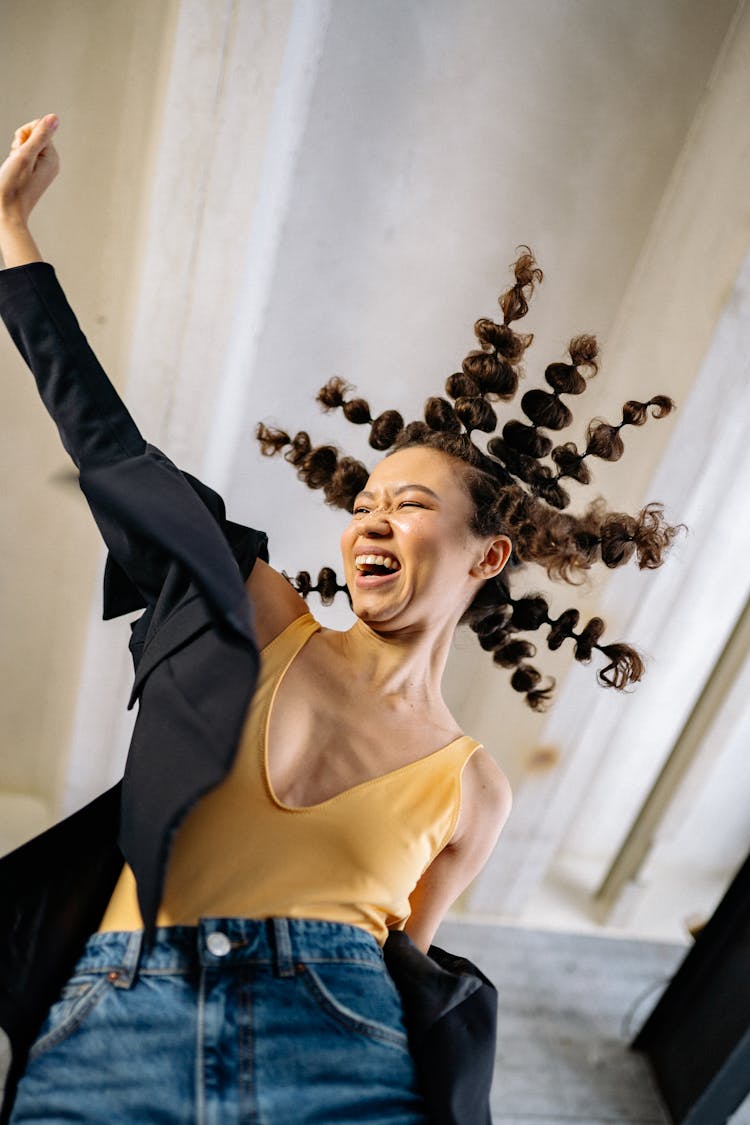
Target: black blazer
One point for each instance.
(174, 555)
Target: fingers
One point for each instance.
(30, 167)
(42, 132)
(22, 133)
(37, 133)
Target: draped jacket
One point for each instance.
(174, 555)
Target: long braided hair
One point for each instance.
(515, 485)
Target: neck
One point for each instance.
(407, 664)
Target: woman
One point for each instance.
(228, 997)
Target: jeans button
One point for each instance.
(218, 944)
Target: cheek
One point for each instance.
(422, 534)
(413, 528)
(444, 550)
(346, 542)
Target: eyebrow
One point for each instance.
(403, 488)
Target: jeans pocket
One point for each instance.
(360, 996)
(75, 1002)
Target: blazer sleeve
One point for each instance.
(149, 513)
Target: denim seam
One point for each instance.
(248, 1108)
(350, 1019)
(200, 1092)
(146, 970)
(117, 967)
(80, 1010)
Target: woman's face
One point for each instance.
(410, 556)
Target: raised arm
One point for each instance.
(94, 425)
(149, 513)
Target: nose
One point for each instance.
(375, 522)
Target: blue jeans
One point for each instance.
(279, 1021)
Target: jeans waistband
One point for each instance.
(279, 943)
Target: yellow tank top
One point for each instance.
(354, 858)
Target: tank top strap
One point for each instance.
(280, 652)
(442, 773)
(464, 746)
(454, 755)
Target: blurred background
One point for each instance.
(256, 196)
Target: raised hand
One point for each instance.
(29, 169)
(25, 175)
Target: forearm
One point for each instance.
(17, 246)
(93, 422)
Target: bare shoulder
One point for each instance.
(486, 800)
(485, 805)
(275, 602)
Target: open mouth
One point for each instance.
(376, 566)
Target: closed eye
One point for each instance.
(361, 510)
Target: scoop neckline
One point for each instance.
(353, 788)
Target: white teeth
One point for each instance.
(375, 560)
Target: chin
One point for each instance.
(383, 619)
(369, 614)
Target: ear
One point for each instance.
(495, 556)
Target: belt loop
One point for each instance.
(130, 961)
(282, 940)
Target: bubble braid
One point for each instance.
(327, 586)
(512, 490)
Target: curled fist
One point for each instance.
(29, 168)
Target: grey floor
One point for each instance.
(568, 1006)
